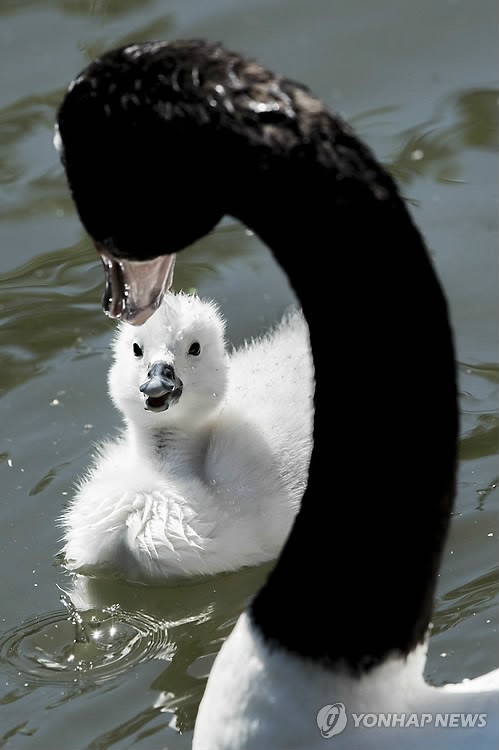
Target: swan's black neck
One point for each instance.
(223, 135)
(356, 579)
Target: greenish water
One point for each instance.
(419, 83)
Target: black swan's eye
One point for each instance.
(137, 350)
(195, 349)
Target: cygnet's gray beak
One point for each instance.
(162, 387)
(134, 289)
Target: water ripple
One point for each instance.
(93, 646)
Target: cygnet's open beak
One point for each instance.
(134, 289)
(162, 387)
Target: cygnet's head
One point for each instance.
(171, 371)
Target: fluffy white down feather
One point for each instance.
(213, 483)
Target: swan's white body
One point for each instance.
(213, 483)
(277, 696)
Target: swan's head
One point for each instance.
(170, 372)
(159, 141)
(136, 137)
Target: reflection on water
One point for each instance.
(473, 597)
(108, 626)
(477, 112)
(434, 148)
(90, 647)
(198, 616)
(29, 342)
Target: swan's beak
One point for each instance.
(162, 387)
(134, 289)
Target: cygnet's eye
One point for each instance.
(194, 349)
(138, 350)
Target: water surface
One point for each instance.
(419, 82)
